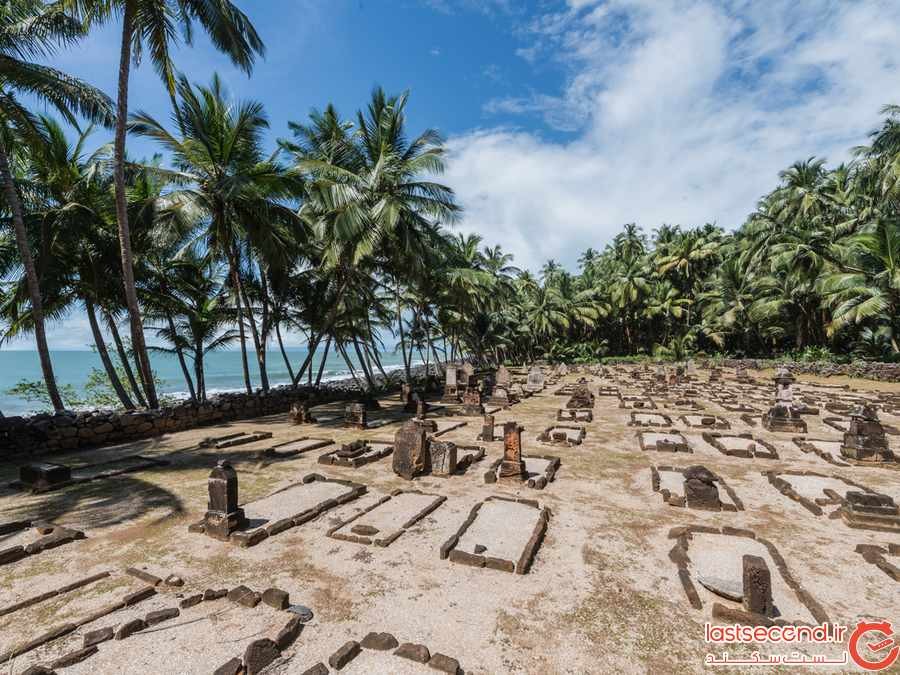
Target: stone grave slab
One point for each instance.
(574, 415)
(387, 519)
(641, 419)
(297, 446)
(814, 491)
(567, 435)
(746, 446)
(705, 421)
(825, 448)
(540, 470)
(24, 538)
(727, 559)
(694, 487)
(500, 534)
(358, 453)
(235, 439)
(636, 403)
(41, 477)
(663, 441)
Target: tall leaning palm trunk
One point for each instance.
(138, 344)
(31, 277)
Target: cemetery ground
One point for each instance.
(604, 592)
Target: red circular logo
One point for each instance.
(883, 639)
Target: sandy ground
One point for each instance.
(602, 595)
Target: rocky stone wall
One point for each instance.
(870, 370)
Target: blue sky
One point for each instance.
(567, 118)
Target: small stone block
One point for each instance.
(413, 652)
(275, 597)
(344, 655)
(191, 600)
(95, 637)
(444, 664)
(259, 654)
(232, 667)
(161, 615)
(380, 641)
(72, 658)
(318, 669)
(129, 628)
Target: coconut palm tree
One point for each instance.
(30, 29)
(151, 25)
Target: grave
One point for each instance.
(705, 421)
(574, 415)
(355, 416)
(741, 445)
(540, 470)
(607, 391)
(659, 441)
(358, 453)
(297, 446)
(885, 557)
(235, 439)
(827, 449)
(814, 491)
(289, 507)
(380, 652)
(512, 468)
(471, 404)
(42, 476)
(500, 396)
(39, 477)
(487, 432)
(871, 511)
(695, 487)
(387, 519)
(567, 435)
(743, 575)
(535, 382)
(581, 398)
(24, 538)
(449, 459)
(417, 454)
(637, 403)
(864, 440)
(783, 416)
(300, 413)
(451, 384)
(500, 533)
(639, 419)
(502, 377)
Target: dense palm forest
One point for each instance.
(338, 229)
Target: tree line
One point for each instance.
(344, 235)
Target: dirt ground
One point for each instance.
(602, 594)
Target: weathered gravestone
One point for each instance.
(300, 413)
(783, 416)
(355, 416)
(487, 428)
(503, 377)
(451, 384)
(223, 516)
(757, 582)
(700, 490)
(513, 466)
(535, 382)
(865, 439)
(43, 475)
(471, 405)
(443, 457)
(411, 454)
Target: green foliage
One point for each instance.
(35, 391)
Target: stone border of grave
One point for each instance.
(147, 463)
(684, 446)
(233, 440)
(452, 427)
(671, 500)
(383, 642)
(274, 451)
(473, 453)
(52, 537)
(128, 600)
(815, 508)
(833, 423)
(391, 538)
(248, 538)
(679, 555)
(607, 391)
(56, 592)
(571, 415)
(719, 423)
(712, 438)
(539, 483)
(547, 437)
(449, 550)
(331, 458)
(751, 420)
(875, 555)
(667, 421)
(649, 403)
(806, 446)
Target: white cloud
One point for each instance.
(685, 111)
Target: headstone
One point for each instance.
(700, 490)
(406, 397)
(451, 384)
(512, 466)
(581, 397)
(300, 413)
(535, 382)
(411, 456)
(503, 378)
(355, 416)
(487, 428)
(757, 586)
(868, 510)
(471, 405)
(223, 516)
(443, 457)
(783, 416)
(421, 409)
(500, 396)
(865, 439)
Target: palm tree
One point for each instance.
(28, 29)
(218, 155)
(151, 24)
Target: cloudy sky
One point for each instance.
(568, 119)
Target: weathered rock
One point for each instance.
(277, 598)
(130, 628)
(444, 663)
(161, 615)
(95, 637)
(380, 641)
(413, 652)
(231, 667)
(349, 651)
(259, 654)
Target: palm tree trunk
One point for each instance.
(104, 357)
(126, 362)
(138, 344)
(287, 361)
(343, 352)
(322, 365)
(311, 345)
(31, 280)
(180, 353)
(254, 333)
(362, 365)
(245, 366)
(400, 328)
(198, 372)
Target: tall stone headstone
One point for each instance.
(487, 428)
(512, 467)
(535, 382)
(451, 384)
(223, 515)
(783, 416)
(865, 439)
(757, 582)
(471, 405)
(443, 457)
(411, 455)
(503, 378)
(700, 490)
(355, 416)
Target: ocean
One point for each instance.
(223, 372)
